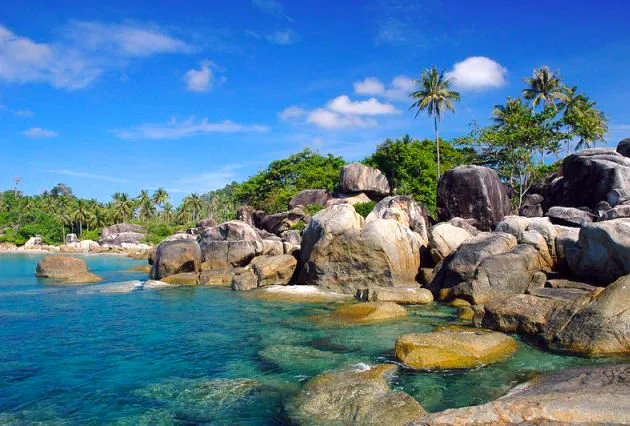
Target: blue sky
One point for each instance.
(193, 95)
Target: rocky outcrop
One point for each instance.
(208, 222)
(230, 245)
(453, 349)
(461, 266)
(361, 313)
(570, 216)
(591, 395)
(595, 324)
(602, 251)
(531, 205)
(402, 296)
(33, 242)
(357, 177)
(519, 313)
(341, 254)
(174, 257)
(65, 270)
(588, 176)
(351, 199)
(445, 239)
(274, 270)
(354, 397)
(404, 210)
(473, 192)
(250, 216)
(281, 222)
(310, 197)
(122, 233)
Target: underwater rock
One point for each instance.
(360, 313)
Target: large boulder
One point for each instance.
(249, 215)
(66, 270)
(453, 349)
(623, 147)
(584, 396)
(473, 192)
(569, 216)
(404, 210)
(284, 221)
(208, 222)
(310, 197)
(122, 233)
(34, 242)
(445, 239)
(402, 296)
(502, 275)
(361, 313)
(588, 176)
(340, 255)
(602, 251)
(232, 244)
(352, 199)
(595, 324)
(174, 257)
(357, 177)
(274, 270)
(354, 397)
(461, 265)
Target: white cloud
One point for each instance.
(398, 90)
(477, 73)
(190, 127)
(327, 119)
(84, 175)
(271, 7)
(371, 86)
(343, 105)
(291, 113)
(201, 80)
(24, 113)
(284, 38)
(83, 54)
(38, 132)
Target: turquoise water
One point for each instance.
(198, 355)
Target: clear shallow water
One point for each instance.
(198, 355)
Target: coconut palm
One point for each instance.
(80, 213)
(160, 196)
(123, 206)
(167, 211)
(501, 112)
(434, 95)
(544, 87)
(147, 210)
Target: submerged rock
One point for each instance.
(353, 397)
(403, 296)
(302, 359)
(591, 395)
(453, 349)
(360, 313)
(299, 294)
(65, 270)
(183, 278)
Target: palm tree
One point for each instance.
(147, 210)
(123, 206)
(160, 196)
(501, 112)
(434, 95)
(80, 213)
(167, 211)
(544, 87)
(65, 219)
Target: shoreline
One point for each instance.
(61, 253)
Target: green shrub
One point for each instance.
(92, 234)
(365, 209)
(156, 232)
(314, 208)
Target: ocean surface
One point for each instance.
(187, 356)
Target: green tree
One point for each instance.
(544, 87)
(434, 95)
(80, 213)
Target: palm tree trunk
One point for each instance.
(437, 146)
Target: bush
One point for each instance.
(314, 208)
(365, 209)
(156, 232)
(92, 234)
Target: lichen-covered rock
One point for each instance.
(66, 270)
(404, 210)
(352, 397)
(310, 197)
(472, 192)
(360, 313)
(602, 251)
(174, 257)
(274, 270)
(453, 349)
(402, 296)
(357, 177)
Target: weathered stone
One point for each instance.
(617, 196)
(248, 215)
(519, 313)
(402, 296)
(560, 294)
(453, 349)
(595, 324)
(293, 237)
(404, 210)
(565, 247)
(445, 239)
(272, 247)
(531, 211)
(584, 396)
(602, 252)
(71, 238)
(569, 216)
(218, 277)
(33, 242)
(234, 230)
(623, 147)
(532, 199)
(354, 397)
(564, 283)
(174, 257)
(208, 222)
(116, 235)
(310, 197)
(245, 279)
(501, 275)
(182, 278)
(240, 253)
(274, 270)
(140, 268)
(514, 225)
(357, 177)
(360, 313)
(66, 270)
(473, 192)
(467, 224)
(299, 294)
(536, 240)
(461, 265)
(348, 199)
(617, 212)
(281, 222)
